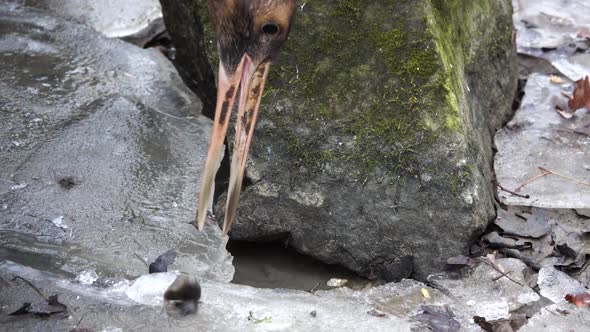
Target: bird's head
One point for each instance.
(250, 34)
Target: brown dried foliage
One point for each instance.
(581, 97)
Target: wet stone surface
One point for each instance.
(554, 31)
(135, 20)
(554, 283)
(223, 307)
(538, 136)
(473, 289)
(560, 316)
(117, 121)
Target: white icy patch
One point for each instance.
(149, 289)
(114, 18)
(139, 98)
(335, 282)
(549, 23)
(493, 310)
(18, 186)
(87, 277)
(550, 320)
(59, 222)
(525, 298)
(112, 329)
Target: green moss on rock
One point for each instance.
(360, 74)
(384, 77)
(384, 109)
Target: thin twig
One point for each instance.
(574, 131)
(501, 276)
(546, 172)
(551, 312)
(314, 288)
(80, 321)
(534, 178)
(498, 269)
(518, 255)
(40, 218)
(512, 192)
(46, 219)
(141, 259)
(32, 286)
(565, 177)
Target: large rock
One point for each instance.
(373, 149)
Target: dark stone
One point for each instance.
(161, 263)
(184, 294)
(185, 27)
(374, 141)
(398, 269)
(438, 319)
(67, 182)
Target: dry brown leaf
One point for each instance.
(376, 313)
(555, 79)
(584, 33)
(566, 114)
(580, 299)
(581, 97)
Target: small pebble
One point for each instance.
(335, 282)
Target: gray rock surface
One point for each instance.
(373, 148)
(474, 289)
(552, 30)
(100, 152)
(538, 136)
(555, 285)
(97, 174)
(560, 316)
(547, 23)
(550, 320)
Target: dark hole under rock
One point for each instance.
(272, 265)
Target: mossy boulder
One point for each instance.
(373, 148)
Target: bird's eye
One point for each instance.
(270, 29)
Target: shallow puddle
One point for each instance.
(272, 265)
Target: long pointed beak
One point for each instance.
(252, 79)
